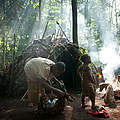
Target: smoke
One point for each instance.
(62, 14)
(109, 53)
(21, 23)
(109, 56)
(32, 21)
(15, 24)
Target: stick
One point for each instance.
(45, 30)
(62, 30)
(24, 95)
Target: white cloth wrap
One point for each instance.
(38, 68)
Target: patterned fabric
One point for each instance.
(35, 92)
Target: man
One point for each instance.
(39, 72)
(88, 81)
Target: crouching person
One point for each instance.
(88, 81)
(39, 72)
(109, 95)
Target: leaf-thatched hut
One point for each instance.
(58, 49)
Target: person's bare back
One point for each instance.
(88, 83)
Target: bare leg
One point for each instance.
(83, 101)
(92, 98)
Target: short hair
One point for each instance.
(60, 66)
(84, 57)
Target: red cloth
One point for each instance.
(99, 113)
(116, 92)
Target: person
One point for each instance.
(40, 71)
(88, 81)
(118, 77)
(109, 95)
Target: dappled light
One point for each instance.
(82, 36)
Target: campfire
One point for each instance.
(116, 88)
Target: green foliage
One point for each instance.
(81, 1)
(33, 3)
(83, 51)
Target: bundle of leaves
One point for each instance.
(70, 54)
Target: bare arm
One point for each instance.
(49, 87)
(58, 82)
(95, 67)
(80, 68)
(78, 71)
(44, 84)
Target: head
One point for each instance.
(100, 69)
(103, 85)
(86, 58)
(118, 78)
(58, 68)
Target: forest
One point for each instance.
(59, 30)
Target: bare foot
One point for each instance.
(83, 106)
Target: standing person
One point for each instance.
(39, 72)
(88, 81)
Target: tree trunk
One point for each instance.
(3, 38)
(39, 11)
(74, 18)
(86, 13)
(12, 72)
(14, 47)
(116, 15)
(61, 10)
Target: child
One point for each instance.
(88, 81)
(109, 95)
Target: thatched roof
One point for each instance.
(58, 49)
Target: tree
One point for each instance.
(74, 18)
(39, 11)
(3, 38)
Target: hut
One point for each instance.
(68, 53)
(54, 48)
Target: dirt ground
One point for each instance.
(13, 109)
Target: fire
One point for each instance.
(116, 79)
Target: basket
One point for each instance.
(57, 108)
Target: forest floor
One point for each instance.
(13, 109)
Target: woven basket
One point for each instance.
(56, 109)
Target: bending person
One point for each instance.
(39, 72)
